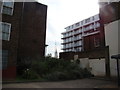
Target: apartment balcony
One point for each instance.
(67, 36)
(67, 48)
(77, 32)
(77, 39)
(66, 42)
(78, 45)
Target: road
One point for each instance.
(80, 83)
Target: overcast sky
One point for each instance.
(62, 13)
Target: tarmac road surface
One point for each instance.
(79, 83)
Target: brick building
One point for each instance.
(85, 35)
(23, 33)
(110, 17)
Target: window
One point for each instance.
(81, 22)
(93, 18)
(80, 30)
(96, 42)
(80, 49)
(77, 24)
(87, 28)
(69, 27)
(5, 32)
(70, 33)
(8, 6)
(94, 26)
(64, 35)
(91, 26)
(83, 28)
(4, 58)
(64, 46)
(79, 42)
(87, 20)
(80, 36)
(72, 26)
(98, 24)
(64, 41)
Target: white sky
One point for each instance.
(62, 13)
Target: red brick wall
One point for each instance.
(89, 42)
(9, 73)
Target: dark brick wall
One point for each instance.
(28, 34)
(33, 30)
(110, 12)
(89, 40)
(12, 44)
(94, 54)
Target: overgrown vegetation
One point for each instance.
(51, 69)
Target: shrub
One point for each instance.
(30, 74)
(77, 61)
(76, 74)
(52, 69)
(40, 67)
(86, 73)
(55, 76)
(23, 64)
(52, 76)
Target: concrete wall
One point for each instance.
(111, 38)
(96, 66)
(84, 63)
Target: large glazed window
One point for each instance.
(8, 6)
(3, 58)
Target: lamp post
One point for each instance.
(117, 57)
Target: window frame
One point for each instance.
(1, 23)
(2, 6)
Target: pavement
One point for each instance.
(79, 83)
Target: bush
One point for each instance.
(40, 67)
(76, 74)
(87, 73)
(65, 75)
(23, 64)
(30, 74)
(53, 69)
(55, 76)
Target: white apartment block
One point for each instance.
(73, 37)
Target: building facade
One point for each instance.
(110, 17)
(23, 32)
(84, 35)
